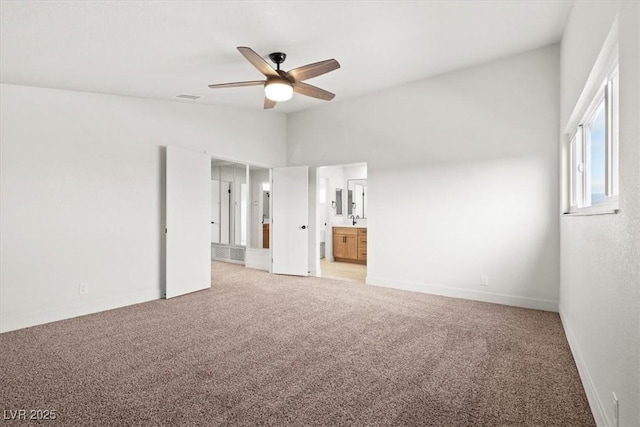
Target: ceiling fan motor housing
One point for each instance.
(278, 58)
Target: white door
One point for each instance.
(289, 220)
(188, 210)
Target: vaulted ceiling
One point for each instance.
(160, 49)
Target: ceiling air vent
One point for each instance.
(185, 96)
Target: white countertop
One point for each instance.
(350, 225)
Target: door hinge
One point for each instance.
(165, 231)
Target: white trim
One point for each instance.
(251, 164)
(597, 88)
(605, 64)
(90, 307)
(607, 208)
(593, 213)
(573, 182)
(595, 403)
(495, 298)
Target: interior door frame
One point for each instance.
(329, 229)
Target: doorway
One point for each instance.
(228, 211)
(342, 211)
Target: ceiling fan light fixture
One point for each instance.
(280, 85)
(278, 90)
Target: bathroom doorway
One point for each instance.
(342, 211)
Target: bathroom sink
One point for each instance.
(350, 225)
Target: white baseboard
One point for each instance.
(258, 259)
(597, 409)
(53, 315)
(517, 301)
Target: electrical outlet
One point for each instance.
(484, 280)
(83, 289)
(616, 410)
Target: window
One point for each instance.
(593, 152)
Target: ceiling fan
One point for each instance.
(280, 85)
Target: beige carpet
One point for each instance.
(260, 349)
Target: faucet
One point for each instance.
(354, 219)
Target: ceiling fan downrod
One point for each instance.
(277, 58)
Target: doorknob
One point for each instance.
(304, 227)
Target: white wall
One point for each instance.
(463, 172)
(83, 192)
(600, 268)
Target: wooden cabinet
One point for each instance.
(265, 236)
(350, 244)
(362, 244)
(345, 243)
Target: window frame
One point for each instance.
(579, 156)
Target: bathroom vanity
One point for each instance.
(350, 244)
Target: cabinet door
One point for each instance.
(351, 247)
(339, 245)
(345, 246)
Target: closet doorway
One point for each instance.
(228, 211)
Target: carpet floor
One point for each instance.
(261, 349)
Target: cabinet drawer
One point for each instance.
(362, 254)
(345, 230)
(362, 232)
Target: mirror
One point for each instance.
(228, 203)
(338, 201)
(265, 206)
(357, 198)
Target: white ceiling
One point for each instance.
(159, 49)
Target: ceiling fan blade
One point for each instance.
(313, 70)
(312, 91)
(238, 84)
(269, 103)
(258, 61)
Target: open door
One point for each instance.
(289, 220)
(188, 210)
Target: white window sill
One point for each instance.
(604, 209)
